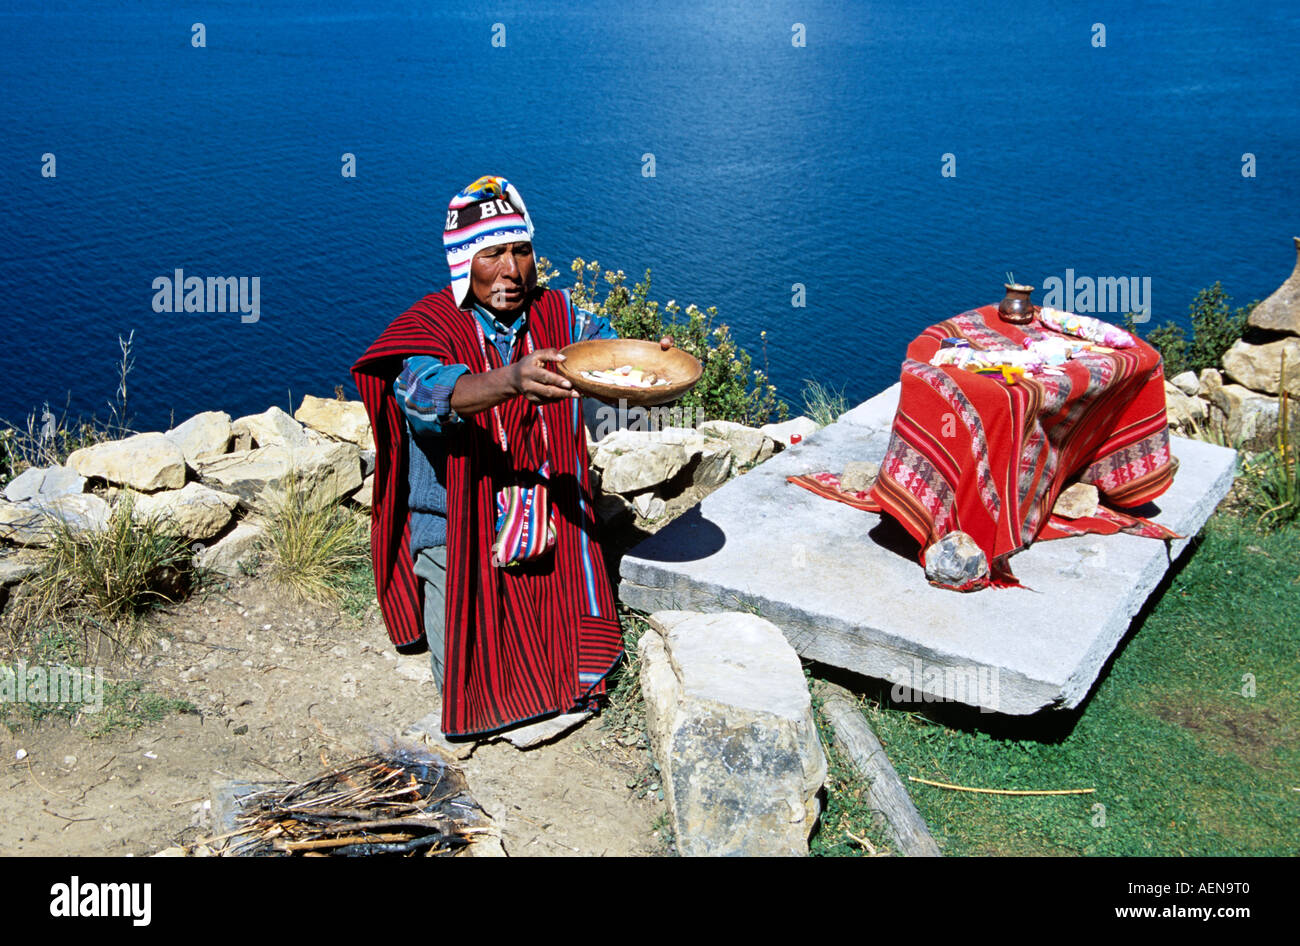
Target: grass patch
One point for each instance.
(95, 583)
(315, 548)
(1190, 740)
(128, 706)
(822, 403)
(624, 712)
(847, 818)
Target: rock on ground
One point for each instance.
(194, 511)
(342, 420)
(33, 523)
(225, 555)
(44, 482)
(259, 477)
(1259, 367)
(731, 724)
(203, 435)
(145, 462)
(859, 476)
(748, 444)
(1280, 312)
(271, 428)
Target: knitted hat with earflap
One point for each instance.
(487, 213)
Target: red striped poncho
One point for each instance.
(523, 641)
(970, 452)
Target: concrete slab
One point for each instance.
(846, 589)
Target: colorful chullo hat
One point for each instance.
(487, 213)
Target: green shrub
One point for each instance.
(1273, 477)
(1215, 328)
(730, 387)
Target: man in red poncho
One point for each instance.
(462, 405)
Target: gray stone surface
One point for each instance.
(534, 734)
(45, 482)
(34, 522)
(848, 590)
(730, 721)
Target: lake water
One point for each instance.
(775, 164)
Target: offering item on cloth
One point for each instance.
(627, 377)
(1085, 327)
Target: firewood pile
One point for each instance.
(405, 802)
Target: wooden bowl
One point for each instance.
(604, 354)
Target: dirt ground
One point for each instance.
(285, 690)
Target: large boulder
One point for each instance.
(146, 462)
(44, 482)
(731, 725)
(1259, 367)
(1251, 418)
(259, 477)
(34, 522)
(342, 420)
(631, 461)
(1187, 382)
(271, 428)
(1280, 312)
(748, 444)
(203, 435)
(194, 511)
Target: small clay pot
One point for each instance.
(1016, 306)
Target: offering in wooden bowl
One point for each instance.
(640, 373)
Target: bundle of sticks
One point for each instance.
(405, 802)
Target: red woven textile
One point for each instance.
(523, 641)
(971, 452)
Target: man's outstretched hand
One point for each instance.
(531, 378)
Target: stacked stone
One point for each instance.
(210, 480)
(642, 471)
(1241, 403)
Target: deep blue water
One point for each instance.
(775, 165)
